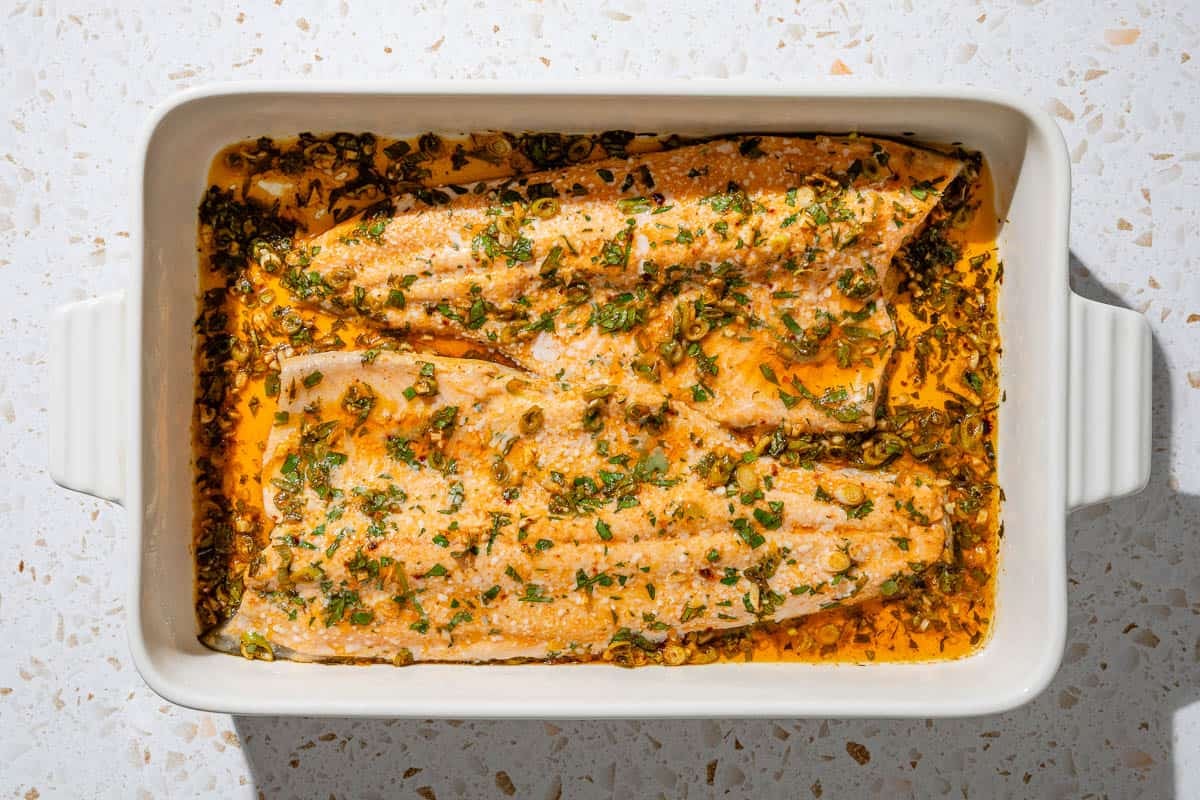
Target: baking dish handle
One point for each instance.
(87, 402)
(1108, 421)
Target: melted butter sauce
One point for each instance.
(922, 625)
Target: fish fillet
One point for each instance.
(742, 276)
(431, 509)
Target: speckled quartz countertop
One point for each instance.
(1121, 720)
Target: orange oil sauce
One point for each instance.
(879, 630)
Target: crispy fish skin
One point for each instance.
(706, 269)
(500, 516)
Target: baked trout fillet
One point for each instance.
(743, 274)
(436, 509)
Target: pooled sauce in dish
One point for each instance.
(596, 397)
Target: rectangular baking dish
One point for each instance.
(1074, 429)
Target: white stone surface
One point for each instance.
(1123, 78)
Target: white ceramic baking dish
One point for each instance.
(1073, 430)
